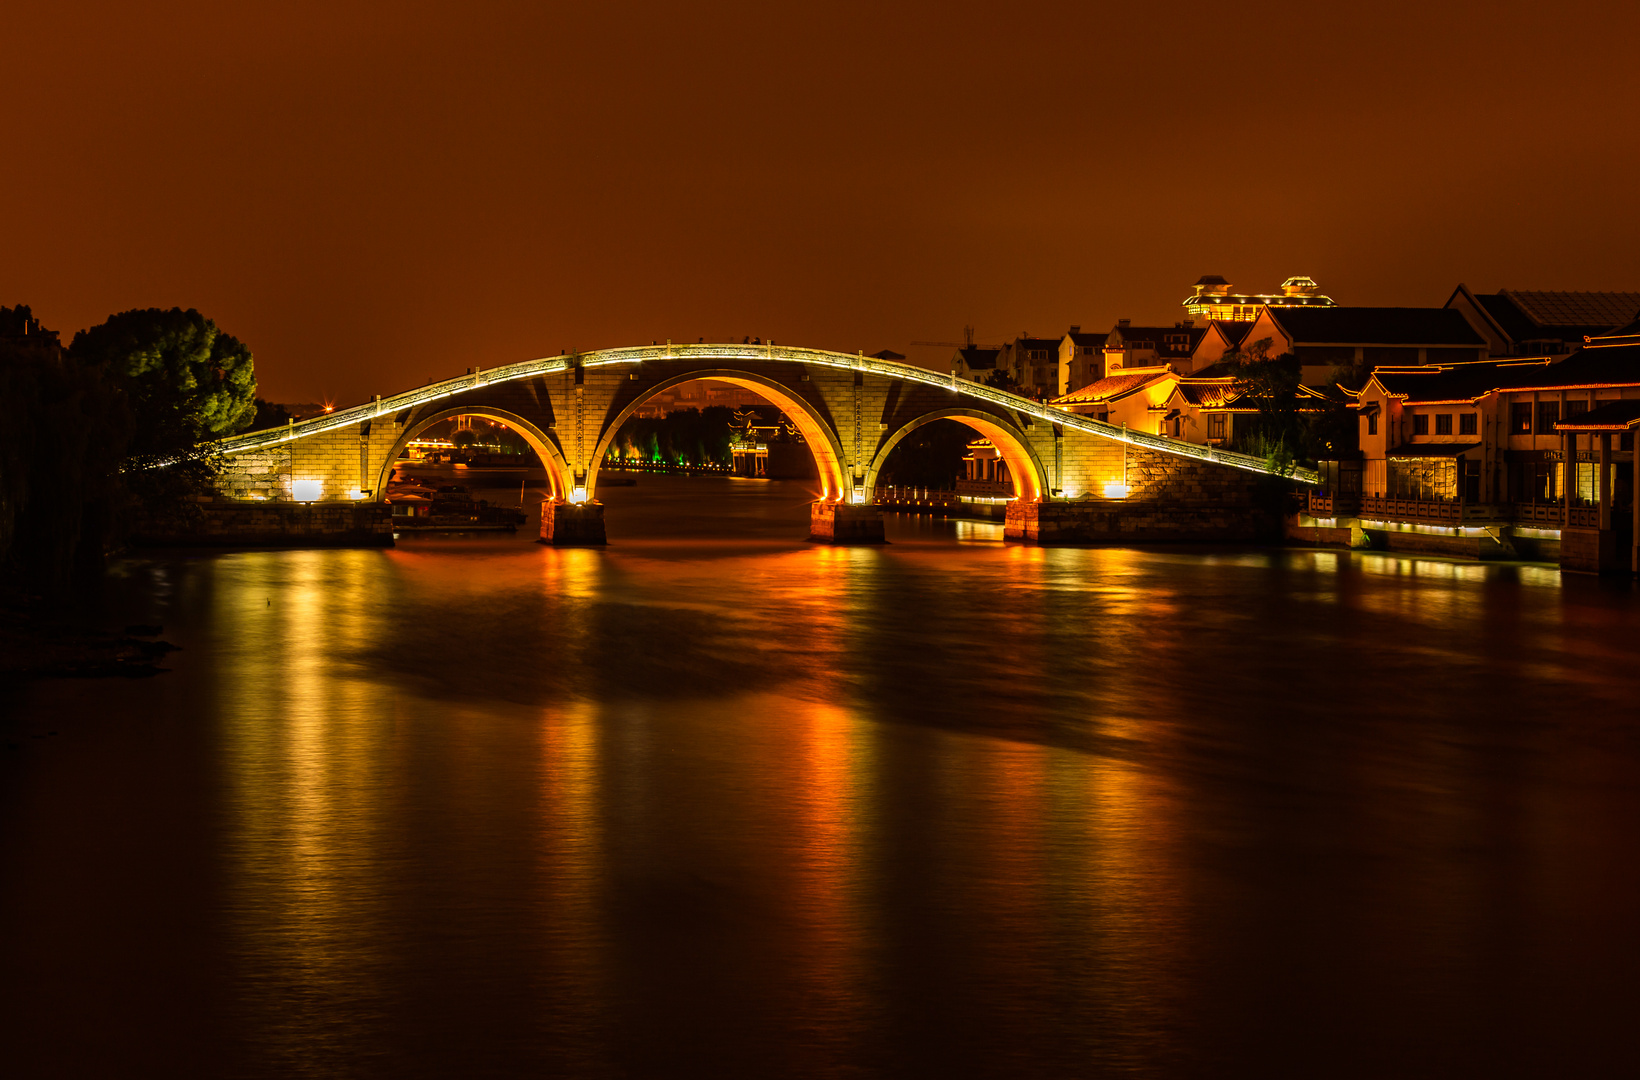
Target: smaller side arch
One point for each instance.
(817, 433)
(551, 460)
(1029, 477)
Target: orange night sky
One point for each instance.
(375, 194)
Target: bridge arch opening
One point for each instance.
(1024, 468)
(552, 462)
(815, 429)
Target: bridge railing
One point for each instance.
(261, 440)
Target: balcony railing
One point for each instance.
(1328, 504)
(1584, 517)
(891, 495)
(986, 489)
(1432, 511)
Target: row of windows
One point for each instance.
(1525, 418)
(1521, 415)
(1468, 423)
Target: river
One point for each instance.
(717, 801)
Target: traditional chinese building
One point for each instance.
(1216, 299)
(1495, 457)
(1328, 339)
(1525, 323)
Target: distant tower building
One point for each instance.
(1213, 299)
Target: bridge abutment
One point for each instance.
(845, 523)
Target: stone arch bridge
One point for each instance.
(851, 410)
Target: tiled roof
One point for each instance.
(1615, 365)
(1575, 309)
(1111, 386)
(1456, 382)
(1376, 326)
(1611, 365)
(1211, 279)
(1627, 334)
(1208, 394)
(1235, 332)
(887, 354)
(1086, 339)
(1510, 319)
(1614, 416)
(979, 358)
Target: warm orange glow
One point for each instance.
(1021, 466)
(552, 461)
(815, 432)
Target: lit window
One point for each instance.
(1520, 418)
(1548, 415)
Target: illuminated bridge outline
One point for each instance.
(386, 406)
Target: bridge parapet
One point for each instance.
(766, 354)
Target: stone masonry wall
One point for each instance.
(273, 524)
(262, 474)
(1171, 498)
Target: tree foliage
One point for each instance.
(121, 423)
(64, 428)
(1001, 380)
(1290, 428)
(179, 369)
(931, 456)
(681, 437)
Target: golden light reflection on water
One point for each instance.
(571, 861)
(631, 801)
(305, 766)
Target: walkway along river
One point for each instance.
(716, 800)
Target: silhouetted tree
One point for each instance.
(1001, 380)
(1290, 428)
(185, 377)
(64, 431)
(268, 415)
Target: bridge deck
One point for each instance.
(260, 440)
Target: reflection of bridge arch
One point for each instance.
(551, 460)
(817, 430)
(1029, 478)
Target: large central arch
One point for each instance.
(817, 433)
(552, 461)
(1029, 477)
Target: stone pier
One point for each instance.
(845, 523)
(572, 524)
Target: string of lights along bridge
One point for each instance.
(852, 410)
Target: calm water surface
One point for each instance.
(715, 801)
